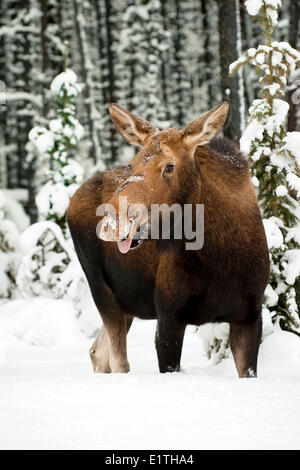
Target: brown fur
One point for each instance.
(224, 281)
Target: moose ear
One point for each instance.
(203, 129)
(134, 129)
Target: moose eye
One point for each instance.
(129, 167)
(169, 169)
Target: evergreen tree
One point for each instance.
(293, 35)
(9, 252)
(49, 265)
(142, 43)
(56, 145)
(275, 157)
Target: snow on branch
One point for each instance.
(275, 157)
(56, 145)
(20, 96)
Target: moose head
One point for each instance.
(164, 171)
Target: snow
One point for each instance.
(54, 198)
(42, 322)
(271, 296)
(133, 179)
(55, 125)
(30, 237)
(75, 130)
(50, 398)
(273, 15)
(73, 171)
(260, 58)
(20, 96)
(253, 131)
(291, 262)
(253, 6)
(293, 234)
(281, 191)
(214, 340)
(10, 254)
(273, 89)
(66, 80)
(292, 144)
(273, 232)
(9, 233)
(42, 138)
(251, 52)
(280, 110)
(270, 124)
(49, 266)
(276, 58)
(294, 182)
(280, 161)
(13, 209)
(235, 64)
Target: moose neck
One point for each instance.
(229, 203)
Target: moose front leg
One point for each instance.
(168, 341)
(245, 339)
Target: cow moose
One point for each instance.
(130, 276)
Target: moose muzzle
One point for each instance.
(123, 226)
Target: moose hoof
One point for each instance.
(101, 370)
(122, 368)
(163, 370)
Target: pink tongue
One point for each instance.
(125, 245)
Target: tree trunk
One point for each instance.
(164, 66)
(111, 74)
(3, 163)
(81, 37)
(207, 54)
(294, 17)
(229, 52)
(178, 64)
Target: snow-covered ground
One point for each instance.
(50, 398)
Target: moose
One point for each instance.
(132, 276)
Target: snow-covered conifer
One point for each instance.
(275, 158)
(9, 252)
(49, 264)
(143, 46)
(56, 145)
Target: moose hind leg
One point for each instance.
(117, 327)
(99, 353)
(245, 339)
(105, 354)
